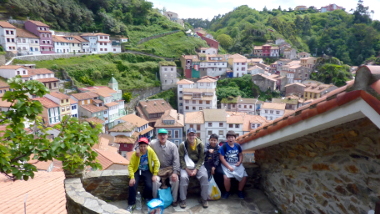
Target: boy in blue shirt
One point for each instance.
(231, 157)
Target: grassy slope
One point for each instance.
(131, 71)
(174, 45)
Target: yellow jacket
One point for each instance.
(153, 162)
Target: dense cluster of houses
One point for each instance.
(36, 38)
(327, 8)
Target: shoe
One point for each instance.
(130, 208)
(241, 194)
(182, 204)
(175, 204)
(204, 203)
(226, 195)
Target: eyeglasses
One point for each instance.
(191, 135)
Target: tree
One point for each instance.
(17, 144)
(225, 40)
(127, 96)
(361, 14)
(226, 92)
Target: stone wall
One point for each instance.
(331, 171)
(49, 56)
(142, 94)
(2, 59)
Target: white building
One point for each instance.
(196, 96)
(212, 65)
(61, 45)
(196, 120)
(208, 50)
(27, 43)
(92, 39)
(168, 75)
(272, 111)
(8, 36)
(75, 45)
(74, 108)
(84, 44)
(215, 123)
(238, 64)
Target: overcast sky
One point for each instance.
(207, 9)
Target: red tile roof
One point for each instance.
(123, 127)
(48, 80)
(46, 102)
(108, 158)
(38, 23)
(93, 108)
(84, 95)
(59, 95)
(154, 106)
(365, 87)
(44, 193)
(22, 33)
(6, 25)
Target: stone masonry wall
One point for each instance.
(336, 170)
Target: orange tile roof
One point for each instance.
(103, 91)
(11, 67)
(148, 129)
(112, 104)
(123, 127)
(3, 84)
(53, 79)
(279, 106)
(154, 106)
(84, 95)
(22, 33)
(249, 119)
(94, 34)
(171, 114)
(80, 39)
(46, 102)
(73, 101)
(6, 24)
(5, 104)
(125, 139)
(44, 193)
(134, 119)
(108, 158)
(296, 83)
(59, 39)
(38, 23)
(235, 119)
(194, 117)
(36, 71)
(93, 108)
(207, 80)
(59, 95)
(183, 81)
(332, 100)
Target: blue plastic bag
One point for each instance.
(166, 196)
(155, 206)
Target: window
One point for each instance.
(221, 132)
(245, 106)
(186, 101)
(105, 49)
(194, 102)
(169, 133)
(187, 107)
(239, 106)
(209, 132)
(176, 134)
(200, 108)
(209, 124)
(198, 127)
(180, 98)
(63, 109)
(220, 124)
(200, 102)
(237, 126)
(191, 126)
(73, 107)
(67, 108)
(194, 108)
(207, 102)
(83, 102)
(266, 111)
(277, 112)
(250, 106)
(230, 125)
(271, 111)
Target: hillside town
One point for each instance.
(195, 82)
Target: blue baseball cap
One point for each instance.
(191, 130)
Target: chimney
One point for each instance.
(177, 116)
(163, 103)
(154, 104)
(144, 106)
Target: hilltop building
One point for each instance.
(168, 75)
(8, 36)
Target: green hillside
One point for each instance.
(352, 38)
(130, 70)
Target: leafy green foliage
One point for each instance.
(174, 45)
(18, 144)
(130, 70)
(331, 71)
(224, 40)
(127, 96)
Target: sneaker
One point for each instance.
(204, 203)
(241, 194)
(182, 204)
(130, 208)
(174, 204)
(226, 195)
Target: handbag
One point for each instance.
(213, 192)
(189, 163)
(166, 196)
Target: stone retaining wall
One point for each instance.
(331, 171)
(49, 56)
(90, 194)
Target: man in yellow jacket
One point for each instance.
(144, 165)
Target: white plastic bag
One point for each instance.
(189, 163)
(213, 192)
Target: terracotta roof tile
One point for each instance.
(148, 129)
(46, 102)
(215, 115)
(59, 95)
(38, 23)
(125, 139)
(154, 106)
(93, 108)
(48, 80)
(11, 67)
(84, 95)
(4, 24)
(109, 158)
(134, 119)
(5, 104)
(22, 33)
(334, 99)
(194, 117)
(181, 82)
(95, 120)
(171, 114)
(279, 106)
(95, 34)
(3, 84)
(44, 193)
(207, 80)
(80, 39)
(73, 101)
(111, 104)
(123, 127)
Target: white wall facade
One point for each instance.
(8, 39)
(271, 114)
(239, 69)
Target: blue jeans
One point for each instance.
(146, 176)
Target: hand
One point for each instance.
(212, 170)
(154, 178)
(132, 182)
(174, 177)
(238, 164)
(189, 172)
(230, 168)
(211, 150)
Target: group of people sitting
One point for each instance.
(155, 160)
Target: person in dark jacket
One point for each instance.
(212, 161)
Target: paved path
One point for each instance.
(255, 202)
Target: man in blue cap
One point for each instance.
(167, 153)
(191, 156)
